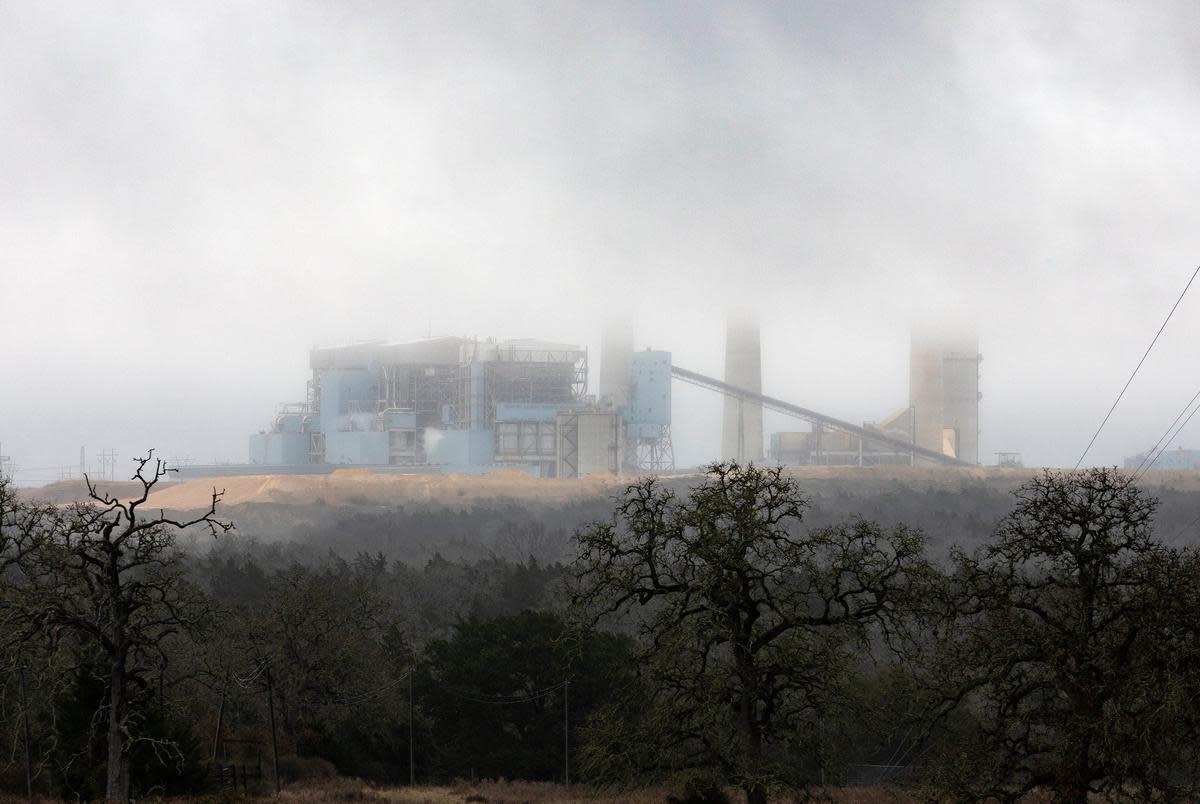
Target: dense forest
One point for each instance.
(737, 629)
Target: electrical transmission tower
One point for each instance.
(108, 464)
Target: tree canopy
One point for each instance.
(1070, 643)
(747, 622)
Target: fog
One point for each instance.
(194, 195)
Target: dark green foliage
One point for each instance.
(165, 759)
(76, 761)
(335, 650)
(494, 692)
(342, 634)
(476, 602)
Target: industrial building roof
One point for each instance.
(444, 350)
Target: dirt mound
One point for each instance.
(68, 491)
(360, 487)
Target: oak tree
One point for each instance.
(747, 622)
(1070, 644)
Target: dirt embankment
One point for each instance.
(68, 491)
(362, 487)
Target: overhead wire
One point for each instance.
(1167, 432)
(1186, 527)
(1142, 471)
(508, 699)
(1136, 368)
(913, 733)
(245, 681)
(364, 696)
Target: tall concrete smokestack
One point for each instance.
(742, 436)
(616, 345)
(925, 389)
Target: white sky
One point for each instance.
(193, 195)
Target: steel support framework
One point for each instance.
(654, 454)
(534, 375)
(567, 425)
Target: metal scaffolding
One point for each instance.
(546, 376)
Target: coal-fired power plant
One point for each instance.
(466, 405)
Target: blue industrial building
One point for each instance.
(463, 405)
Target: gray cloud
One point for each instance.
(192, 195)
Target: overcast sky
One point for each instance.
(193, 195)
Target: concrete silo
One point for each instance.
(944, 393)
(925, 389)
(960, 394)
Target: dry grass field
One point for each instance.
(335, 790)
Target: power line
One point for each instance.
(1148, 461)
(508, 699)
(1185, 528)
(1166, 433)
(1137, 367)
(245, 681)
(363, 696)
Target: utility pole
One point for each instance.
(274, 744)
(220, 718)
(821, 735)
(82, 465)
(412, 773)
(567, 732)
(25, 732)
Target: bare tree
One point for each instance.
(106, 575)
(747, 623)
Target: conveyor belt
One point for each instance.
(831, 422)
